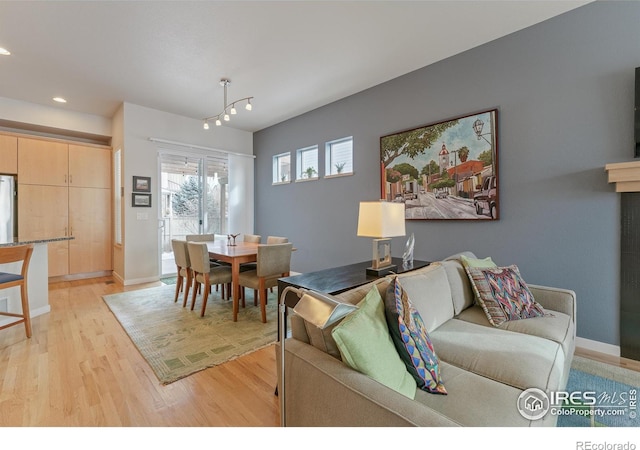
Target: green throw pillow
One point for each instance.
(477, 263)
(366, 346)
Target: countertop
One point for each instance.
(18, 241)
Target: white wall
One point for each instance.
(141, 255)
(51, 117)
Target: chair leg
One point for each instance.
(222, 292)
(187, 286)
(196, 286)
(255, 297)
(205, 297)
(178, 285)
(25, 308)
(263, 301)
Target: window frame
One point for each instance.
(276, 174)
(328, 158)
(299, 158)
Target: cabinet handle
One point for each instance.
(71, 231)
(70, 179)
(65, 179)
(65, 231)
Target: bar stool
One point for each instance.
(8, 279)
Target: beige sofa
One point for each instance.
(484, 368)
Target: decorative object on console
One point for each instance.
(411, 339)
(503, 294)
(381, 220)
(430, 167)
(228, 108)
(407, 256)
(319, 309)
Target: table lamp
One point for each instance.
(321, 310)
(381, 220)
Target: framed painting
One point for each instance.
(141, 200)
(141, 184)
(444, 171)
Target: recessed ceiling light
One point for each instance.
(4, 52)
(59, 100)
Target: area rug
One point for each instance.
(612, 399)
(177, 342)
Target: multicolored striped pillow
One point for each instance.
(503, 294)
(411, 339)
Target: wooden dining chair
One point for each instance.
(273, 262)
(183, 269)
(16, 254)
(205, 274)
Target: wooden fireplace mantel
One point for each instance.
(626, 176)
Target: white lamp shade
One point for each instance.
(381, 219)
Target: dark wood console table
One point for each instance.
(337, 279)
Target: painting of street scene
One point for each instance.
(444, 171)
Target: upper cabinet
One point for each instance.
(43, 162)
(8, 154)
(89, 166)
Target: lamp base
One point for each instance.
(382, 271)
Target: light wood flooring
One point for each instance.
(81, 369)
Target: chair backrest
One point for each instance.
(255, 238)
(17, 253)
(199, 256)
(274, 259)
(276, 240)
(200, 237)
(180, 253)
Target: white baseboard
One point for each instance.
(597, 346)
(140, 281)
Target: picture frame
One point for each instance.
(141, 200)
(446, 170)
(141, 184)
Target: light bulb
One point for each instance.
(249, 107)
(206, 125)
(226, 117)
(218, 123)
(233, 109)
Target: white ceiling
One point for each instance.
(292, 56)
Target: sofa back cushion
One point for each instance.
(430, 294)
(322, 339)
(461, 289)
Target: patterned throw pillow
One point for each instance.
(503, 294)
(411, 339)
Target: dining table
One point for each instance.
(234, 254)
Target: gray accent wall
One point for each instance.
(564, 90)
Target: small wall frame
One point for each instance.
(141, 184)
(141, 200)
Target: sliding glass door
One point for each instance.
(193, 197)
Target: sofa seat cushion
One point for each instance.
(476, 401)
(555, 326)
(519, 360)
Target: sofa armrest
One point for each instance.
(322, 391)
(555, 299)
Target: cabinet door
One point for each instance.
(42, 162)
(89, 166)
(8, 155)
(42, 214)
(90, 226)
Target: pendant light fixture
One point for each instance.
(229, 108)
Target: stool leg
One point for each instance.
(25, 309)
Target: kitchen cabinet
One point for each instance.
(8, 155)
(64, 189)
(90, 225)
(43, 162)
(43, 214)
